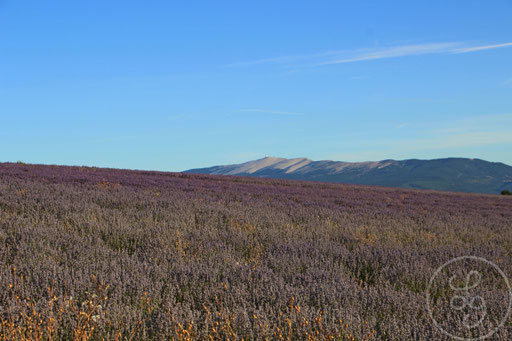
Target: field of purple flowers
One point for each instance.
(90, 253)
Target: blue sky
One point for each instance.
(173, 85)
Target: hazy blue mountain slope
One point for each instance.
(450, 174)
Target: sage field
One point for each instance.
(92, 253)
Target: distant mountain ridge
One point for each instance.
(449, 174)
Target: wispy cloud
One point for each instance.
(275, 112)
(276, 60)
(480, 48)
(360, 55)
(393, 52)
(177, 117)
(473, 131)
(472, 136)
(470, 139)
(402, 125)
(287, 59)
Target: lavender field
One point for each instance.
(91, 253)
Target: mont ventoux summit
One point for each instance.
(448, 174)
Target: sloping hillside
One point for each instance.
(450, 174)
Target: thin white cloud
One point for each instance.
(471, 139)
(411, 147)
(276, 60)
(275, 112)
(463, 135)
(483, 136)
(398, 51)
(468, 132)
(475, 124)
(287, 59)
(177, 117)
(402, 125)
(480, 48)
(359, 55)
